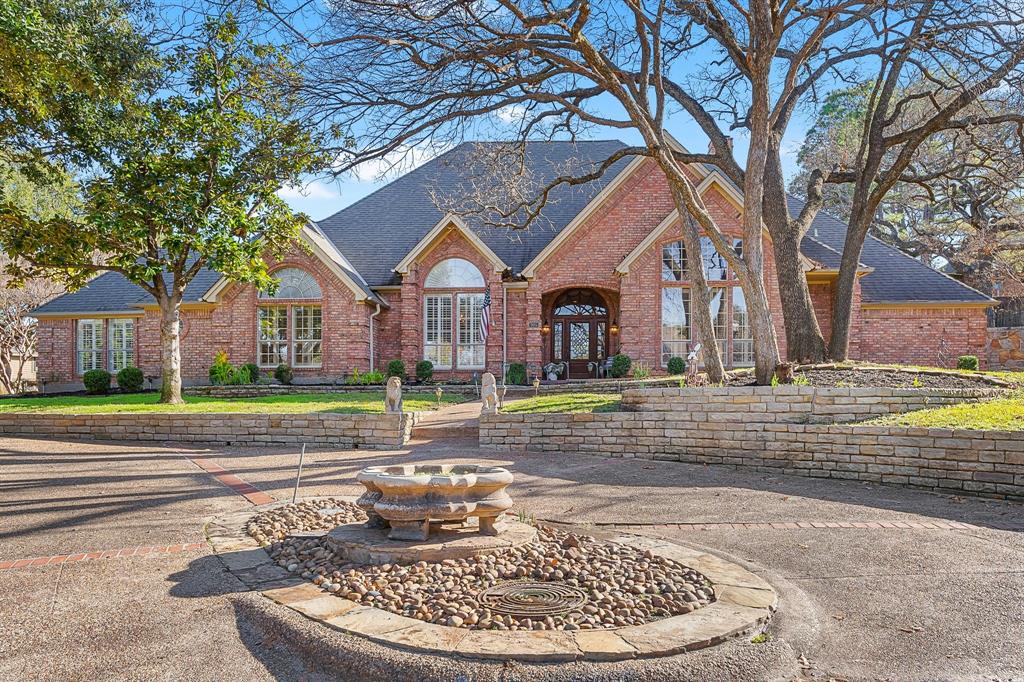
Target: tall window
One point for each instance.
(437, 334)
(307, 325)
(675, 323)
(290, 330)
(273, 335)
(451, 319)
(122, 344)
(90, 345)
(471, 341)
(728, 307)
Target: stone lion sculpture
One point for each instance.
(488, 394)
(393, 396)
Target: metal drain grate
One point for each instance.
(526, 599)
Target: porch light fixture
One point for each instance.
(545, 328)
(614, 329)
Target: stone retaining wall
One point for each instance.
(374, 431)
(1005, 348)
(794, 404)
(988, 463)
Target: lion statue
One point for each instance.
(393, 397)
(488, 394)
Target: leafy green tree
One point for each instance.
(186, 181)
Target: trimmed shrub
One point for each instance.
(516, 374)
(283, 373)
(251, 372)
(424, 370)
(967, 362)
(221, 370)
(130, 379)
(96, 381)
(396, 368)
(620, 366)
(676, 365)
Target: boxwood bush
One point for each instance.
(676, 365)
(396, 368)
(130, 379)
(620, 365)
(424, 370)
(96, 381)
(967, 362)
(516, 374)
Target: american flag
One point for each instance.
(485, 315)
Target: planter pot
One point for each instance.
(407, 498)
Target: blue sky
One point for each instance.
(321, 197)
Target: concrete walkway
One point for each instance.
(461, 420)
(875, 583)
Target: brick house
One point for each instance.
(393, 276)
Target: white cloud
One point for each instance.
(512, 114)
(398, 162)
(312, 190)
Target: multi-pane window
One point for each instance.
(90, 345)
(728, 307)
(742, 337)
(454, 273)
(437, 333)
(471, 341)
(272, 331)
(307, 334)
(122, 344)
(675, 322)
(294, 283)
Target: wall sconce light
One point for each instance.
(545, 328)
(614, 329)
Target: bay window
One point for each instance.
(122, 344)
(89, 345)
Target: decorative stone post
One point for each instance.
(488, 394)
(393, 396)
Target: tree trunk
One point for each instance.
(842, 301)
(804, 342)
(703, 327)
(170, 350)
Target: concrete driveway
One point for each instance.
(875, 583)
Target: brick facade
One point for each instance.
(587, 258)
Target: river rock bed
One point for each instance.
(304, 517)
(623, 585)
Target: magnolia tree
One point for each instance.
(185, 179)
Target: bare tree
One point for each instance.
(18, 328)
(952, 71)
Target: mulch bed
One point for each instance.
(858, 377)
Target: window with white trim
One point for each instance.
(437, 330)
(89, 348)
(122, 344)
(272, 332)
(307, 330)
(742, 335)
(471, 341)
(293, 283)
(454, 273)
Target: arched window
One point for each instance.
(580, 302)
(454, 321)
(290, 333)
(454, 273)
(294, 283)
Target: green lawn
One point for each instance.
(297, 402)
(565, 402)
(1004, 414)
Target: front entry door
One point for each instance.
(579, 332)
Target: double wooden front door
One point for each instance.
(579, 332)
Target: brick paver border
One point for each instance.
(240, 486)
(144, 550)
(932, 524)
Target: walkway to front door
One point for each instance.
(579, 331)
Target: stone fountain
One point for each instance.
(407, 498)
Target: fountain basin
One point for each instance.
(408, 497)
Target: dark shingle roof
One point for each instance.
(376, 232)
(897, 277)
(111, 292)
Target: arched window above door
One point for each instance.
(580, 302)
(294, 283)
(454, 273)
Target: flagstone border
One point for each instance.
(744, 603)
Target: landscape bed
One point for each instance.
(338, 403)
